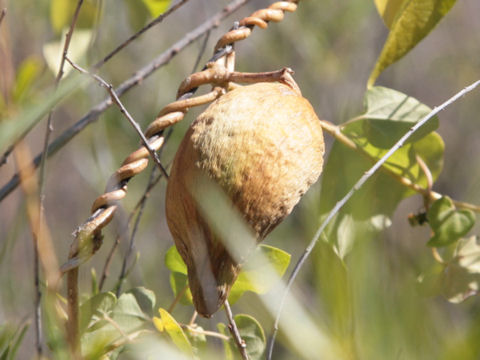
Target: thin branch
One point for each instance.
(43, 248)
(123, 271)
(354, 189)
(214, 334)
(336, 132)
(232, 326)
(203, 47)
(2, 14)
(125, 112)
(41, 177)
(135, 80)
(159, 19)
(151, 24)
(193, 318)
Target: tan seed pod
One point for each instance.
(263, 145)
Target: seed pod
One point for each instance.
(263, 145)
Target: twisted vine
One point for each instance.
(219, 72)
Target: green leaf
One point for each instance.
(12, 129)
(178, 282)
(448, 224)
(92, 310)
(27, 73)
(253, 276)
(389, 9)
(127, 313)
(156, 7)
(462, 275)
(174, 261)
(137, 13)
(368, 211)
(228, 346)
(389, 114)
(412, 21)
(459, 278)
(251, 332)
(167, 323)
(10, 340)
(145, 299)
(61, 14)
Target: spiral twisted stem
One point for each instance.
(219, 73)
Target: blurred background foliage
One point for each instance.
(371, 304)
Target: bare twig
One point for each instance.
(203, 47)
(125, 112)
(151, 24)
(42, 172)
(135, 80)
(214, 334)
(193, 318)
(159, 19)
(2, 15)
(354, 189)
(242, 347)
(428, 175)
(121, 277)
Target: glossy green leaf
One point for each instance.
(251, 332)
(448, 224)
(178, 276)
(389, 10)
(156, 7)
(389, 114)
(174, 261)
(167, 323)
(411, 23)
(404, 162)
(178, 282)
(253, 276)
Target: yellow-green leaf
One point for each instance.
(173, 329)
(254, 276)
(388, 10)
(61, 14)
(156, 7)
(27, 73)
(410, 25)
